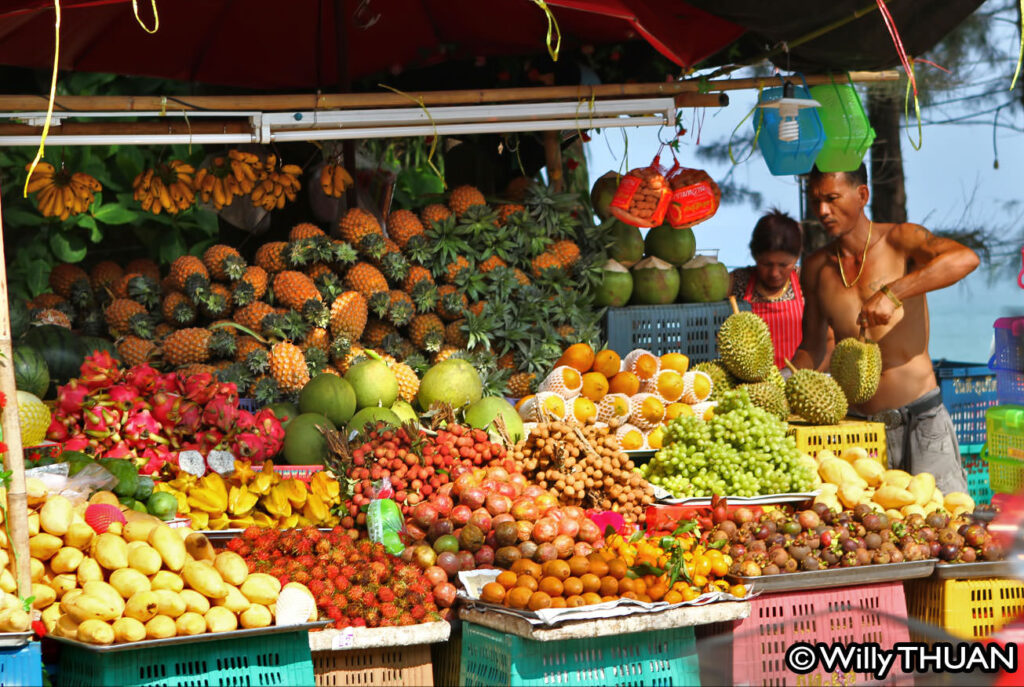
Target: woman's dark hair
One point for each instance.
(776, 231)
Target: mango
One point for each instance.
(105, 497)
(116, 528)
(128, 630)
(170, 546)
(850, 495)
(44, 546)
(55, 515)
(37, 570)
(191, 623)
(49, 616)
(894, 515)
(144, 558)
(853, 454)
(139, 530)
(96, 632)
(86, 607)
(890, 497)
(9, 601)
(7, 582)
(870, 471)
(160, 627)
(257, 615)
(195, 602)
(897, 478)
(79, 535)
(66, 627)
(142, 606)
(913, 509)
(67, 560)
(69, 597)
(33, 524)
(235, 601)
(106, 592)
(957, 502)
(922, 486)
(169, 603)
(87, 571)
(110, 551)
(36, 491)
(231, 567)
(64, 583)
(220, 619)
(128, 582)
(840, 473)
(15, 620)
(165, 579)
(199, 547)
(205, 580)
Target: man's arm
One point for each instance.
(814, 344)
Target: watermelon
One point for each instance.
(63, 350)
(96, 343)
(31, 373)
(20, 318)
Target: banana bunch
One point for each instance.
(276, 185)
(334, 179)
(165, 188)
(226, 178)
(61, 193)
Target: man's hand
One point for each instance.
(878, 310)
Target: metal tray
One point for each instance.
(229, 534)
(10, 640)
(665, 498)
(838, 577)
(205, 637)
(971, 571)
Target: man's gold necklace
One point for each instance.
(863, 259)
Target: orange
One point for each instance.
(518, 597)
(523, 400)
(590, 598)
(572, 586)
(591, 582)
(608, 363)
(702, 565)
(630, 438)
(719, 568)
(575, 601)
(689, 594)
(571, 378)
(669, 385)
(657, 591)
(674, 410)
(656, 438)
(598, 566)
(528, 581)
(624, 383)
(630, 595)
(538, 601)
(675, 361)
(492, 593)
(616, 568)
(645, 598)
(645, 365)
(552, 586)
(558, 602)
(579, 565)
(558, 569)
(609, 597)
(579, 356)
(650, 411)
(609, 586)
(738, 590)
(639, 586)
(673, 597)
(699, 581)
(595, 386)
(626, 585)
(507, 579)
(524, 566)
(583, 409)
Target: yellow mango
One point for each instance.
(828, 489)
(257, 615)
(893, 514)
(854, 453)
(170, 546)
(890, 497)
(55, 515)
(16, 620)
(161, 627)
(235, 601)
(87, 571)
(94, 631)
(139, 530)
(169, 603)
(830, 500)
(145, 558)
(49, 616)
(128, 582)
(199, 547)
(850, 495)
(195, 602)
(66, 627)
(142, 606)
(110, 551)
(67, 560)
(7, 581)
(869, 470)
(37, 569)
(106, 592)
(824, 455)
(260, 588)
(62, 584)
(957, 502)
(69, 597)
(231, 567)
(44, 546)
(79, 535)
(191, 623)
(36, 491)
(897, 478)
(45, 595)
(9, 601)
(913, 509)
(33, 524)
(205, 580)
(5, 558)
(86, 607)
(115, 528)
(220, 619)
(128, 630)
(922, 486)
(840, 473)
(165, 579)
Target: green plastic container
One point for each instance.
(659, 657)
(848, 134)
(256, 661)
(1005, 448)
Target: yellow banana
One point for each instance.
(39, 181)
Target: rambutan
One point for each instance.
(245, 551)
(385, 595)
(341, 583)
(251, 533)
(307, 561)
(418, 612)
(389, 610)
(348, 571)
(319, 572)
(341, 624)
(358, 622)
(235, 544)
(284, 579)
(352, 611)
(301, 576)
(406, 619)
(323, 546)
(355, 593)
(370, 599)
(372, 617)
(302, 546)
(334, 613)
(331, 571)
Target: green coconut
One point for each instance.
(454, 381)
(627, 243)
(285, 412)
(655, 282)
(374, 383)
(675, 246)
(368, 416)
(703, 280)
(602, 193)
(481, 415)
(616, 286)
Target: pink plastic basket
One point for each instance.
(303, 473)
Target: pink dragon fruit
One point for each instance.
(94, 422)
(228, 390)
(221, 413)
(71, 397)
(119, 450)
(250, 446)
(144, 378)
(122, 394)
(77, 442)
(58, 430)
(100, 370)
(142, 429)
(165, 409)
(200, 388)
(245, 421)
(155, 458)
(189, 418)
(209, 440)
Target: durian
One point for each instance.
(816, 397)
(721, 380)
(770, 397)
(857, 367)
(745, 346)
(776, 378)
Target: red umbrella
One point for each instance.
(271, 45)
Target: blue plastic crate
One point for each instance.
(659, 657)
(249, 404)
(1009, 344)
(688, 328)
(968, 390)
(978, 487)
(265, 660)
(22, 666)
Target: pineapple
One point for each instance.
(162, 330)
(421, 288)
(567, 252)
(271, 257)
(507, 362)
(445, 353)
(189, 275)
(254, 316)
(456, 268)
(195, 369)
(404, 226)
(434, 213)
(197, 345)
(521, 384)
(52, 316)
(288, 367)
(506, 211)
(375, 333)
(216, 304)
(224, 263)
(305, 230)
(367, 280)
(348, 315)
(297, 291)
(330, 370)
(452, 303)
(135, 350)
(124, 315)
(317, 338)
(318, 270)
(455, 335)
(401, 309)
(545, 264)
(408, 382)
(329, 285)
(427, 332)
(144, 266)
(477, 308)
(66, 279)
(104, 274)
(252, 286)
(463, 198)
(355, 353)
(362, 230)
(246, 345)
(394, 266)
(46, 301)
(491, 263)
(139, 288)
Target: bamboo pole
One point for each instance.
(310, 101)
(553, 160)
(175, 127)
(14, 460)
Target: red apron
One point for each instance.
(784, 318)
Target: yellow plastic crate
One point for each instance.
(971, 609)
(813, 439)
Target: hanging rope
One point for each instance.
(554, 37)
(917, 111)
(156, 17)
(757, 130)
(53, 95)
(433, 124)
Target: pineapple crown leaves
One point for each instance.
(222, 343)
(236, 373)
(144, 290)
(329, 285)
(472, 283)
(477, 222)
(393, 345)
(300, 252)
(184, 313)
(273, 325)
(295, 325)
(380, 303)
(400, 312)
(340, 347)
(315, 313)
(266, 391)
(316, 360)
(214, 305)
(372, 245)
(478, 329)
(502, 284)
(233, 266)
(395, 267)
(82, 296)
(142, 325)
(446, 243)
(420, 252)
(197, 286)
(419, 363)
(243, 294)
(452, 302)
(343, 253)
(424, 295)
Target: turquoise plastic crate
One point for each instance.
(788, 157)
(659, 657)
(968, 390)
(257, 661)
(21, 667)
(978, 487)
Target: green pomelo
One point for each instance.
(304, 443)
(329, 395)
(30, 371)
(368, 416)
(454, 381)
(616, 286)
(602, 193)
(284, 411)
(405, 412)
(374, 384)
(675, 246)
(703, 280)
(482, 413)
(627, 243)
(655, 282)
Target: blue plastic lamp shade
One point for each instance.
(788, 157)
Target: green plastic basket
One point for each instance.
(848, 134)
(256, 661)
(1005, 448)
(659, 657)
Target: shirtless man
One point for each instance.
(875, 277)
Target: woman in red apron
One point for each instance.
(772, 284)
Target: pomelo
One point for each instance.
(329, 395)
(482, 413)
(371, 415)
(655, 282)
(616, 286)
(405, 412)
(454, 381)
(703, 280)
(284, 411)
(627, 243)
(675, 246)
(373, 383)
(304, 443)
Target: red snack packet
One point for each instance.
(642, 197)
(695, 197)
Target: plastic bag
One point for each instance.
(92, 478)
(642, 197)
(384, 521)
(695, 197)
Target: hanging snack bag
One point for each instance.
(695, 197)
(642, 196)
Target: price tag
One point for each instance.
(345, 639)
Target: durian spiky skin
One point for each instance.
(721, 379)
(768, 396)
(745, 346)
(816, 397)
(857, 368)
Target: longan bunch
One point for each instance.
(584, 466)
(648, 195)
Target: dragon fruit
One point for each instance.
(199, 387)
(251, 446)
(77, 442)
(144, 379)
(221, 413)
(71, 397)
(58, 429)
(141, 429)
(122, 394)
(100, 370)
(119, 450)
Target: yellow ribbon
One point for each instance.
(1020, 55)
(553, 49)
(156, 16)
(917, 111)
(434, 138)
(53, 95)
(757, 131)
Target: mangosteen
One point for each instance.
(770, 525)
(814, 542)
(849, 560)
(992, 551)
(778, 556)
(737, 550)
(888, 536)
(949, 537)
(934, 548)
(798, 551)
(875, 522)
(860, 510)
(735, 568)
(948, 552)
(791, 527)
(927, 534)
(776, 539)
(770, 569)
(821, 529)
(880, 558)
(792, 565)
(914, 521)
(863, 556)
(718, 535)
(762, 532)
(506, 534)
(912, 552)
(811, 563)
(750, 569)
(858, 530)
(821, 509)
(975, 535)
(937, 520)
(844, 518)
(968, 554)
(829, 557)
(895, 556)
(506, 556)
(849, 544)
(872, 540)
(728, 527)
(757, 546)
